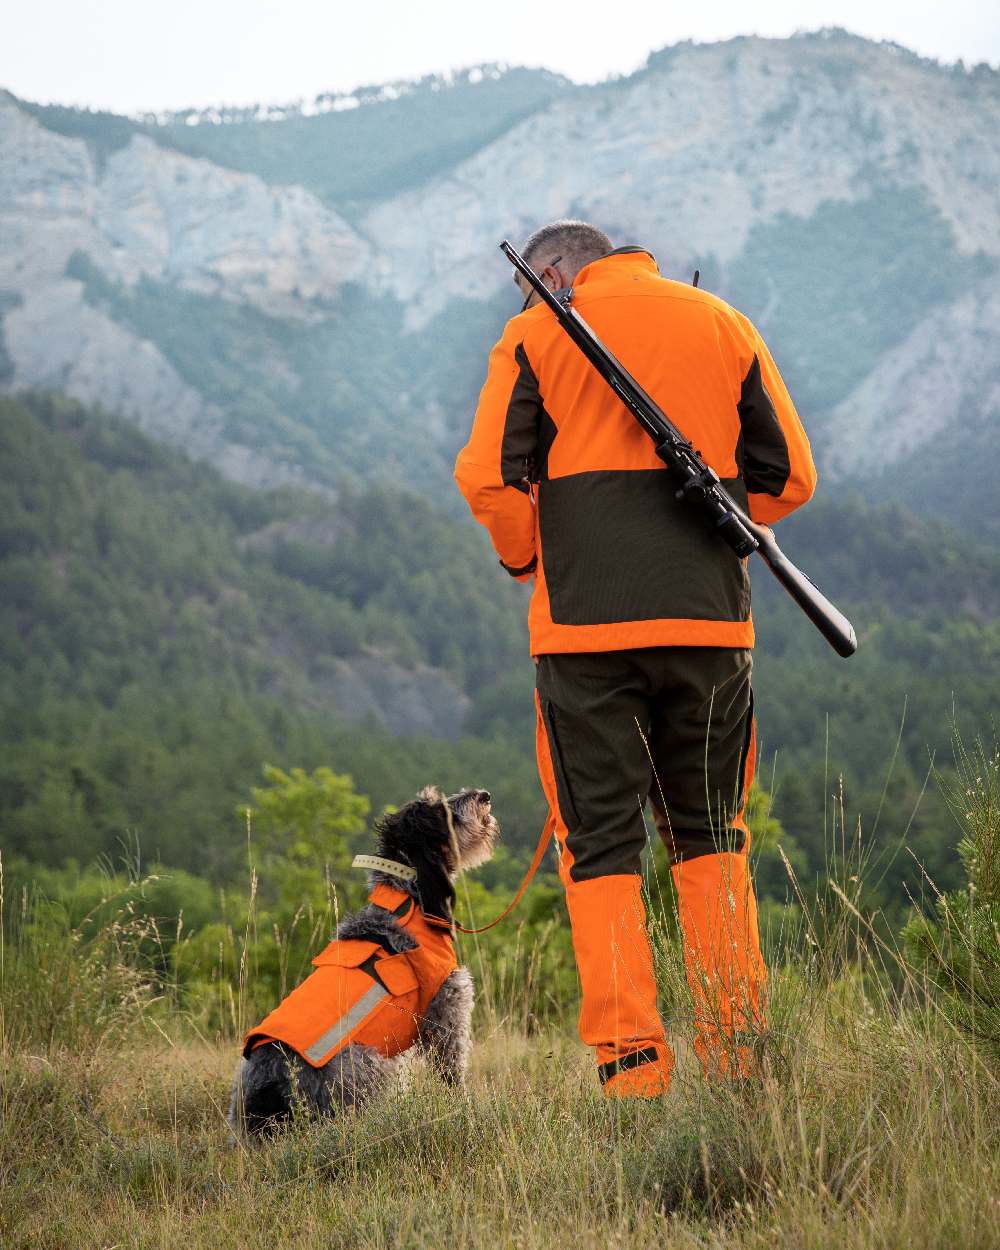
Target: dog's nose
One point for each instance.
(484, 796)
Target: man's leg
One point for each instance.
(702, 741)
(596, 775)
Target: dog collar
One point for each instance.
(390, 866)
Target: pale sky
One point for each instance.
(134, 55)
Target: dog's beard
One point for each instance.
(476, 829)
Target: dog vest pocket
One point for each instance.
(357, 994)
(396, 974)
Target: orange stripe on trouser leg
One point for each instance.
(725, 968)
(618, 1012)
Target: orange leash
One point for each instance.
(540, 849)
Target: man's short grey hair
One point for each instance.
(577, 242)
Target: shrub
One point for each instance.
(958, 947)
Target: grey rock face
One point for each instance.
(688, 156)
(693, 157)
(222, 233)
(151, 213)
(422, 700)
(156, 213)
(946, 367)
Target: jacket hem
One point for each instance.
(548, 637)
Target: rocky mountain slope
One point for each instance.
(314, 302)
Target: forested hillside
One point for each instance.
(164, 632)
(347, 149)
(385, 138)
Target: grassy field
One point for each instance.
(874, 1122)
(875, 1134)
(875, 1125)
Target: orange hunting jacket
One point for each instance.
(361, 993)
(571, 491)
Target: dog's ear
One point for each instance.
(424, 834)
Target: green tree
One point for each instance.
(304, 825)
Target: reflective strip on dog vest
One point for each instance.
(347, 1023)
(359, 993)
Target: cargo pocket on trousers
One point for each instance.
(567, 807)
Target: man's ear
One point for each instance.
(552, 278)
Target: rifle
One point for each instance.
(697, 482)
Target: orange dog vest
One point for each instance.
(360, 993)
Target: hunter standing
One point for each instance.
(640, 626)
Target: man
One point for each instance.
(640, 626)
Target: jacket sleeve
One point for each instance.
(777, 464)
(493, 469)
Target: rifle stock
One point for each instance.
(698, 482)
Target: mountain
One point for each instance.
(377, 141)
(307, 295)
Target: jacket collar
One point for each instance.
(620, 260)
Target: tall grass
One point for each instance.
(959, 946)
(70, 985)
(873, 1122)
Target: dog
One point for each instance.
(387, 984)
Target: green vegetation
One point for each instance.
(165, 633)
(959, 948)
(869, 1124)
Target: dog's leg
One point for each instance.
(446, 1029)
(273, 1080)
(350, 1078)
(262, 1092)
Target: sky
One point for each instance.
(138, 55)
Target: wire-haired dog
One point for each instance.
(388, 981)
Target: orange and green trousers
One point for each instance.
(674, 726)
